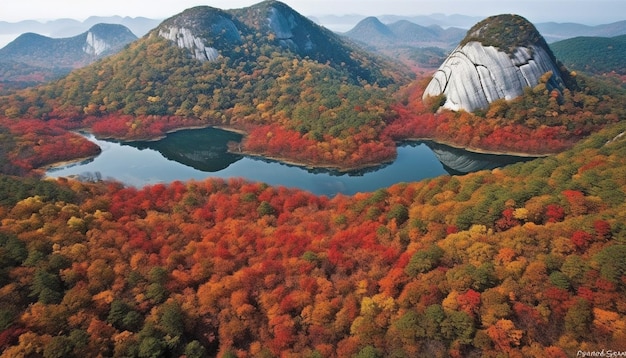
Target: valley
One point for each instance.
(321, 222)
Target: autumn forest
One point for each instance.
(522, 261)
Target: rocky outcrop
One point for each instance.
(282, 24)
(184, 38)
(94, 45)
(105, 39)
(460, 161)
(204, 31)
(210, 34)
(483, 68)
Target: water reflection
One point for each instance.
(203, 149)
(201, 153)
(458, 161)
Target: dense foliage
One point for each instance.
(597, 55)
(27, 145)
(523, 261)
(539, 122)
(506, 32)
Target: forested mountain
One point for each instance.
(523, 261)
(259, 66)
(597, 55)
(36, 58)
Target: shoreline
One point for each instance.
(289, 161)
(68, 162)
(293, 162)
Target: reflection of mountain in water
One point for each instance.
(202, 149)
(460, 161)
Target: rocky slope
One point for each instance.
(499, 57)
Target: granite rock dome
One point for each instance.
(499, 57)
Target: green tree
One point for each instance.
(58, 347)
(458, 326)
(46, 287)
(578, 318)
(265, 209)
(424, 260)
(398, 212)
(611, 262)
(194, 349)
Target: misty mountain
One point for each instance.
(553, 31)
(62, 28)
(46, 57)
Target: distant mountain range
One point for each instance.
(553, 31)
(388, 31)
(37, 58)
(427, 46)
(69, 27)
(372, 32)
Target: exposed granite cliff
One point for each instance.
(204, 31)
(499, 57)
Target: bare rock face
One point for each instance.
(204, 31)
(494, 62)
(95, 45)
(283, 24)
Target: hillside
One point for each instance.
(247, 69)
(596, 55)
(523, 261)
(58, 56)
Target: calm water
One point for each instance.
(202, 153)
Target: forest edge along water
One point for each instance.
(195, 154)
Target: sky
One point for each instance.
(588, 12)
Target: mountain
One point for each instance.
(373, 33)
(553, 31)
(415, 45)
(499, 57)
(343, 23)
(69, 27)
(52, 57)
(592, 54)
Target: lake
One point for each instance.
(201, 153)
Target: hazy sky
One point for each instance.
(583, 11)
